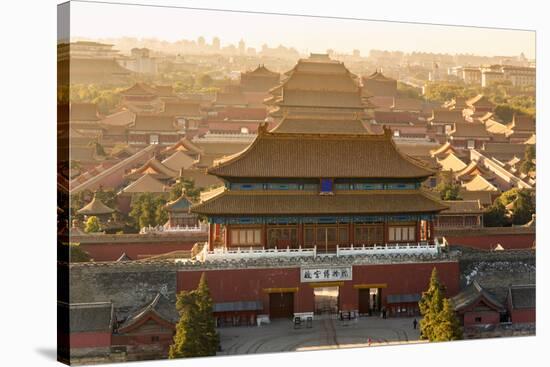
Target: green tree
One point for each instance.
(196, 334)
(447, 188)
(507, 98)
(77, 254)
(107, 100)
(505, 112)
(508, 196)
(430, 306)
(527, 165)
(186, 186)
(147, 210)
(205, 81)
(446, 326)
(207, 322)
(92, 225)
(161, 215)
(78, 201)
(187, 339)
(495, 216)
(107, 197)
(524, 207)
(406, 91)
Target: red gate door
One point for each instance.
(281, 305)
(364, 301)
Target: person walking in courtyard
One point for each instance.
(415, 323)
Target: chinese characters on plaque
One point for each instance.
(326, 274)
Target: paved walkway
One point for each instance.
(327, 333)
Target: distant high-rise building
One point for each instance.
(201, 41)
(356, 53)
(242, 47)
(216, 43)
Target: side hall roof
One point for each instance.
(472, 294)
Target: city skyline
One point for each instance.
(322, 34)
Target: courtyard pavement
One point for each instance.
(326, 333)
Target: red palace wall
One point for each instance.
(90, 340)
(488, 242)
(523, 316)
(487, 317)
(164, 341)
(233, 285)
(112, 251)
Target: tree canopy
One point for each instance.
(196, 334)
(495, 216)
(508, 99)
(205, 80)
(106, 98)
(147, 209)
(527, 165)
(186, 186)
(524, 207)
(439, 322)
(446, 325)
(447, 188)
(77, 254)
(92, 225)
(430, 305)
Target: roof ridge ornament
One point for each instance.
(262, 129)
(387, 132)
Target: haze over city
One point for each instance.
(306, 34)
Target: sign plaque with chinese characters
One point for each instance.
(326, 274)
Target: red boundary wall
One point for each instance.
(232, 285)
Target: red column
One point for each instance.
(211, 230)
(300, 234)
(430, 238)
(351, 234)
(227, 235)
(417, 234)
(385, 232)
(264, 235)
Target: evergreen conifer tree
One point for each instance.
(430, 305)
(196, 334)
(447, 326)
(187, 338)
(207, 323)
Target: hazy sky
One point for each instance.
(304, 33)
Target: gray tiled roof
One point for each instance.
(88, 317)
(160, 305)
(472, 294)
(523, 296)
